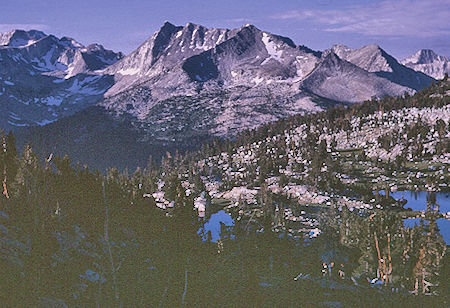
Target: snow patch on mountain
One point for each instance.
(272, 48)
(129, 71)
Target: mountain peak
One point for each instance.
(191, 25)
(373, 47)
(167, 28)
(428, 62)
(371, 58)
(250, 27)
(69, 42)
(19, 38)
(340, 46)
(341, 80)
(427, 56)
(33, 33)
(342, 51)
(424, 56)
(331, 58)
(167, 24)
(374, 50)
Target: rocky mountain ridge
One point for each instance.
(374, 59)
(45, 78)
(238, 79)
(184, 83)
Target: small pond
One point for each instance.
(417, 201)
(213, 224)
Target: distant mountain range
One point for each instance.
(44, 78)
(185, 84)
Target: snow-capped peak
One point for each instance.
(18, 38)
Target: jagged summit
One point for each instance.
(424, 56)
(171, 45)
(428, 62)
(163, 52)
(198, 54)
(19, 38)
(342, 51)
(190, 80)
(24, 39)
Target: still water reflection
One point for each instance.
(419, 201)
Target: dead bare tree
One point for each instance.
(5, 189)
(380, 265)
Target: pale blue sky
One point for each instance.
(401, 27)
